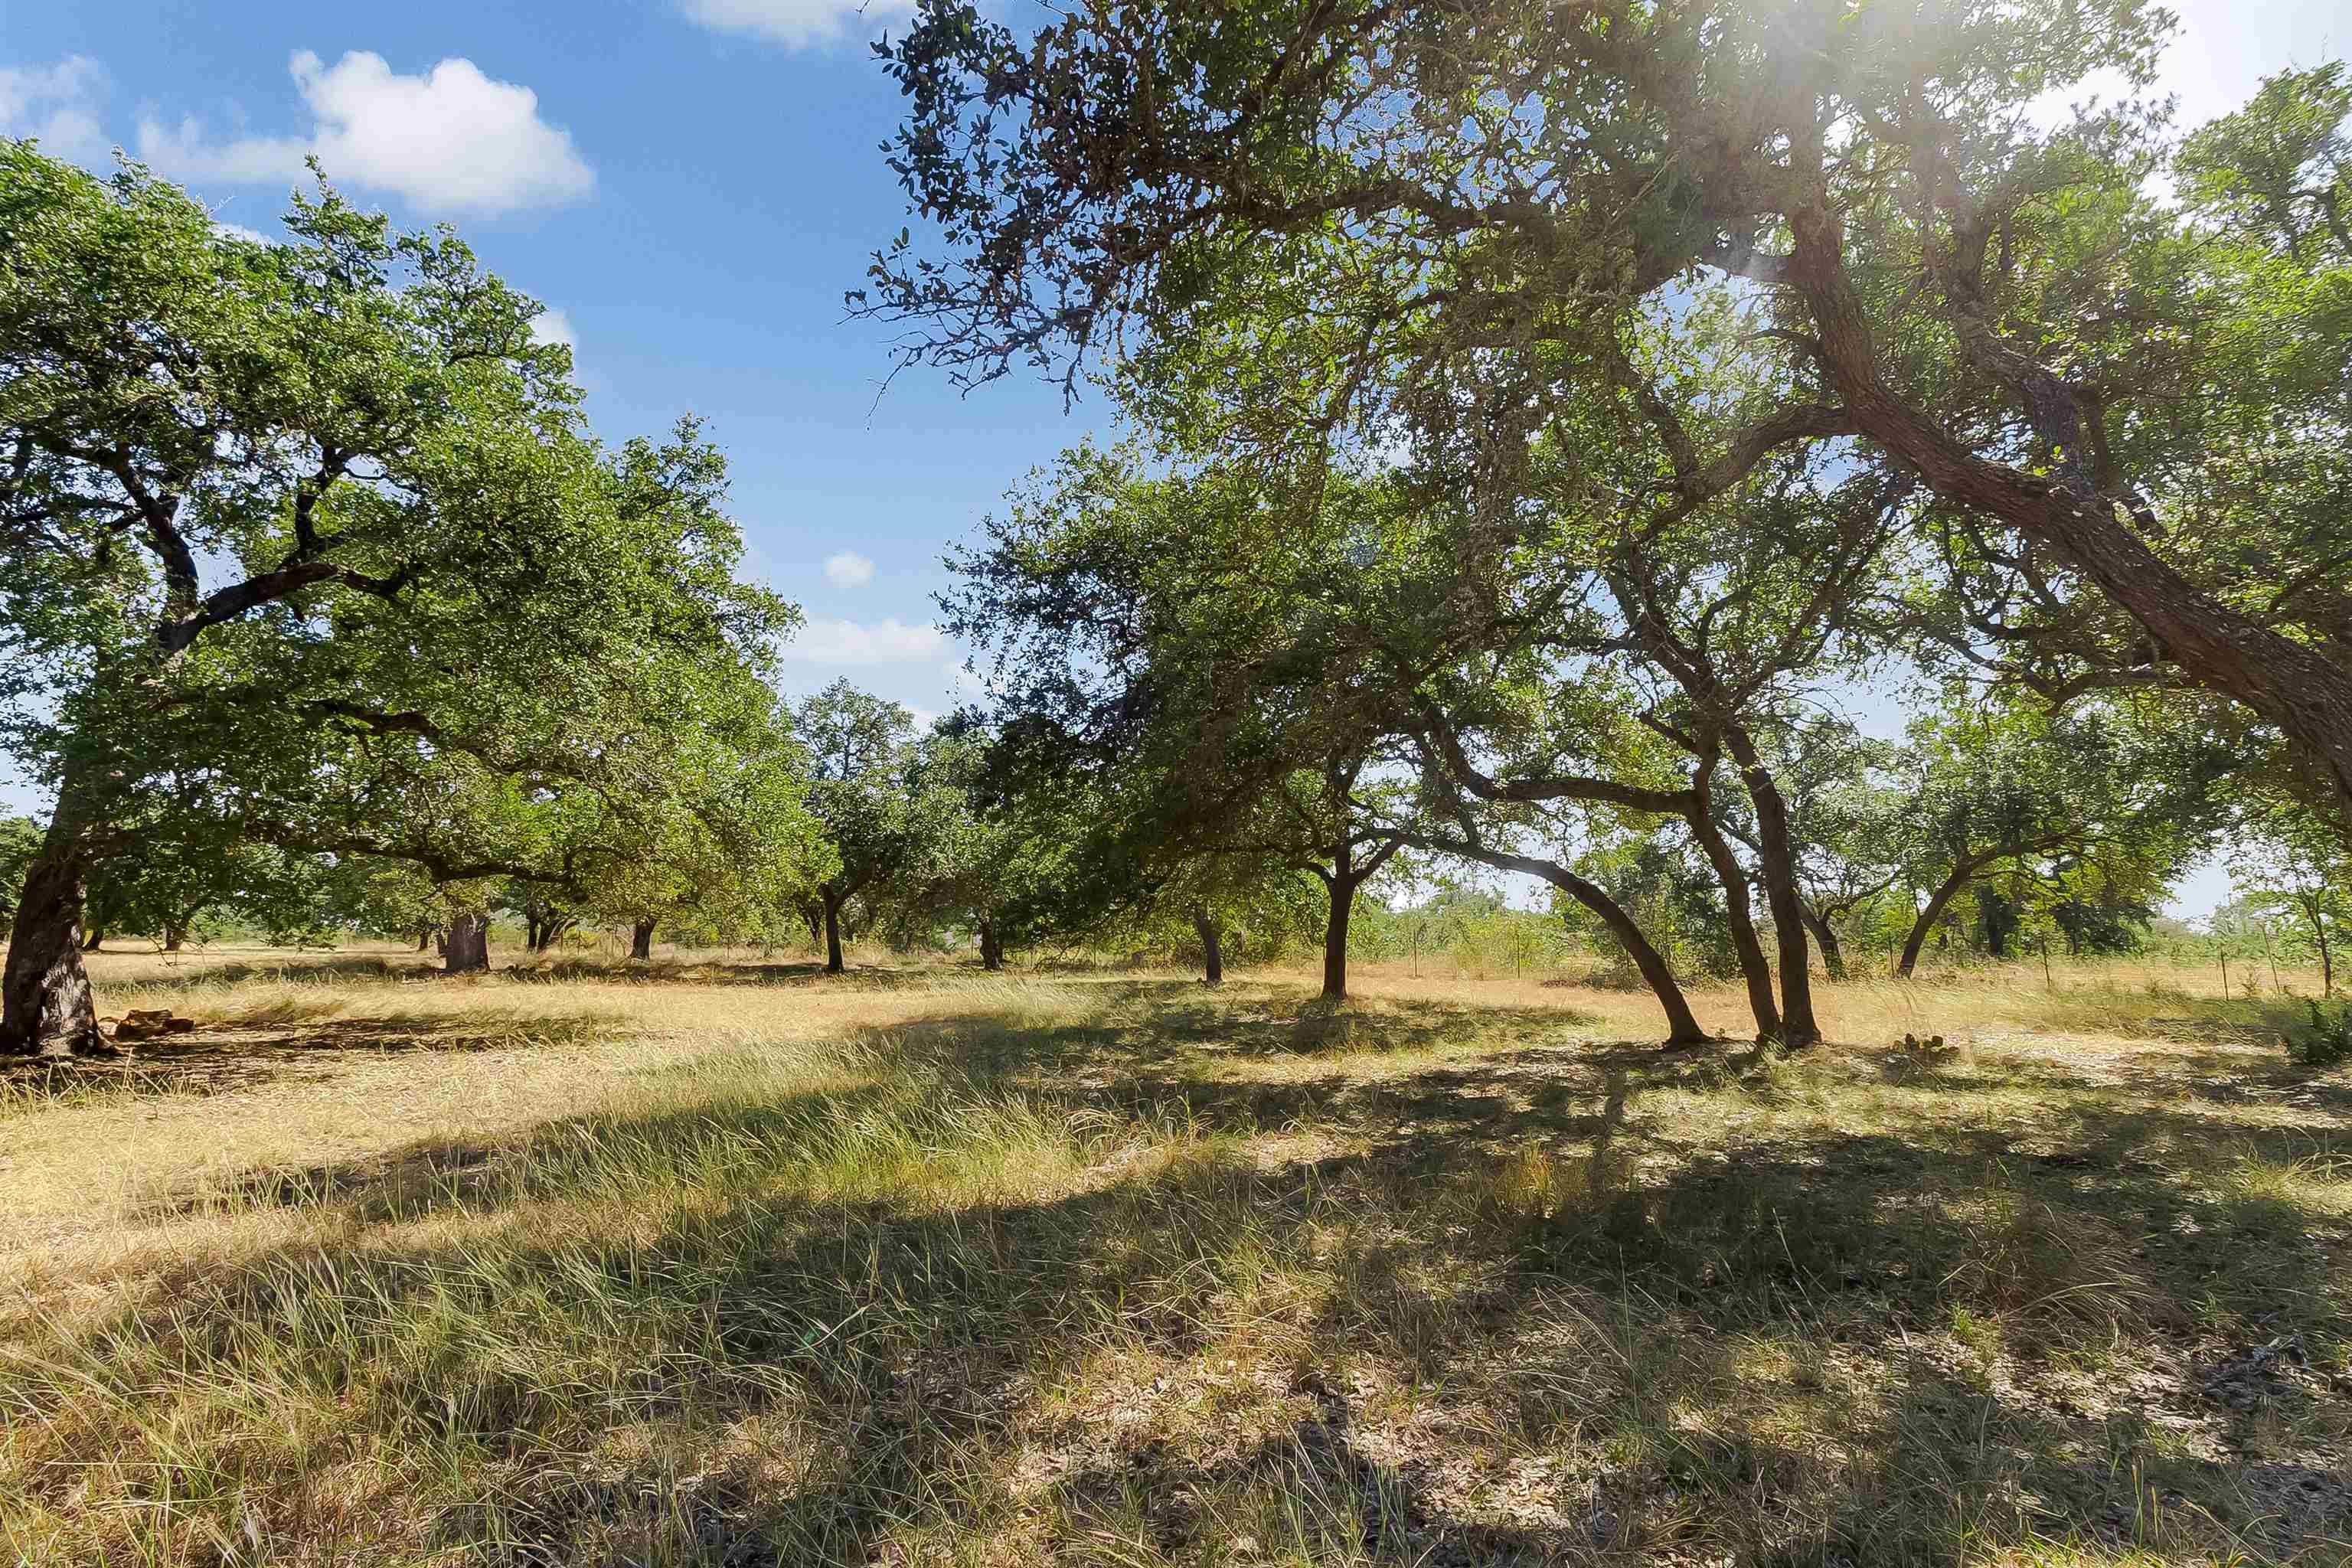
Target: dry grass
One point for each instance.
(724, 1263)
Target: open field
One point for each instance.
(724, 1263)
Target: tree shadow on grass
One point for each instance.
(1758, 1352)
(196, 974)
(259, 1050)
(917, 1345)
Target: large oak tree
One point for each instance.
(319, 525)
(1451, 221)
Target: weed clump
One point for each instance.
(2322, 1040)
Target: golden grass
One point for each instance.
(723, 1262)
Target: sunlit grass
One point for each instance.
(707, 1262)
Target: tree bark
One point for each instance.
(1212, 955)
(833, 964)
(1825, 934)
(1776, 858)
(46, 1006)
(992, 947)
(1741, 915)
(1681, 1025)
(2314, 908)
(423, 938)
(1341, 883)
(641, 939)
(1937, 903)
(469, 947)
(173, 937)
(2307, 694)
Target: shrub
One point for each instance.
(2325, 1040)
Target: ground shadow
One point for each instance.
(225, 1058)
(1516, 1245)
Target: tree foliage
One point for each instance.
(318, 526)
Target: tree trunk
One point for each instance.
(2314, 906)
(1937, 903)
(641, 939)
(1825, 934)
(833, 964)
(1342, 883)
(46, 1006)
(992, 947)
(1776, 858)
(172, 936)
(2296, 687)
(423, 938)
(1681, 1025)
(546, 928)
(1734, 878)
(1212, 955)
(469, 947)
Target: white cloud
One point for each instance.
(848, 570)
(180, 152)
(553, 326)
(228, 230)
(797, 23)
(451, 140)
(56, 105)
(893, 641)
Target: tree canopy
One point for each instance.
(318, 527)
(1463, 230)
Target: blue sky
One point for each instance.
(689, 189)
(690, 186)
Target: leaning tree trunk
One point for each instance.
(1681, 1025)
(1826, 936)
(469, 943)
(1739, 913)
(1937, 903)
(2314, 905)
(641, 939)
(833, 964)
(1212, 952)
(546, 928)
(46, 1006)
(2294, 686)
(1776, 860)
